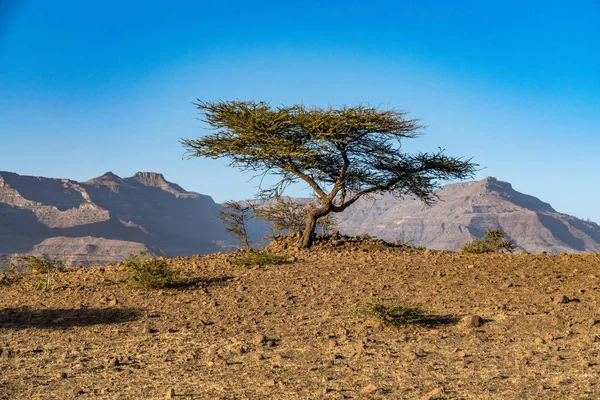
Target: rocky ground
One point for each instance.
(293, 331)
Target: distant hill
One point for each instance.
(104, 219)
(107, 218)
(464, 211)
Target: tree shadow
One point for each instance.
(59, 318)
(200, 282)
(435, 321)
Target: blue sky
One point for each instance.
(88, 87)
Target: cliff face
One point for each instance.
(104, 219)
(464, 211)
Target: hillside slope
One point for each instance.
(294, 331)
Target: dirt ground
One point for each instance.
(293, 331)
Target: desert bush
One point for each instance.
(21, 265)
(148, 273)
(394, 314)
(36, 265)
(494, 241)
(257, 257)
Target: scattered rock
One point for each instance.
(473, 320)
(270, 382)
(111, 362)
(370, 388)
(560, 299)
(170, 393)
(259, 339)
(77, 391)
(435, 392)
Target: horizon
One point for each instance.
(86, 89)
(286, 195)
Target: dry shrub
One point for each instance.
(493, 242)
(148, 273)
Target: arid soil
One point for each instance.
(293, 331)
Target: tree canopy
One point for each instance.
(342, 153)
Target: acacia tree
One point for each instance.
(342, 153)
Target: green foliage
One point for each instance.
(394, 314)
(37, 265)
(289, 216)
(342, 154)
(256, 257)
(234, 215)
(148, 273)
(493, 242)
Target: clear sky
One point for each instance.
(88, 87)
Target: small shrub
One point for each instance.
(234, 216)
(37, 265)
(493, 242)
(148, 273)
(256, 257)
(394, 314)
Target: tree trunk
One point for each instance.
(309, 231)
(311, 225)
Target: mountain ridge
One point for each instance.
(142, 212)
(106, 218)
(465, 210)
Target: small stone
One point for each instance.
(111, 362)
(370, 388)
(473, 320)
(113, 302)
(259, 339)
(77, 391)
(63, 375)
(539, 341)
(560, 299)
(437, 391)
(148, 330)
(170, 393)
(270, 382)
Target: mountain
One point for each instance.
(107, 218)
(464, 211)
(104, 219)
